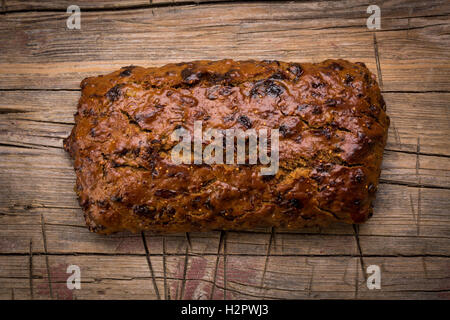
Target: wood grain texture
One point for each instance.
(18, 5)
(42, 230)
(410, 46)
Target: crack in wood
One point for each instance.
(411, 28)
(44, 239)
(12, 111)
(419, 153)
(149, 263)
(417, 158)
(422, 290)
(411, 184)
(425, 16)
(188, 240)
(356, 280)
(29, 145)
(183, 282)
(266, 262)
(150, 6)
(30, 265)
(15, 146)
(166, 289)
(377, 59)
(43, 121)
(39, 89)
(217, 265)
(333, 234)
(170, 4)
(419, 196)
(415, 91)
(361, 256)
(224, 247)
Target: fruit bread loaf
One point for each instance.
(331, 123)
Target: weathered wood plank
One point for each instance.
(410, 278)
(419, 120)
(14, 278)
(285, 277)
(417, 56)
(286, 31)
(403, 246)
(399, 8)
(118, 277)
(41, 105)
(410, 211)
(13, 228)
(17, 5)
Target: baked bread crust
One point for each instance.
(333, 129)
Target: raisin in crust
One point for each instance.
(333, 129)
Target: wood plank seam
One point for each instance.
(44, 239)
(183, 283)
(217, 265)
(100, 254)
(188, 240)
(147, 254)
(224, 247)
(173, 4)
(411, 91)
(356, 280)
(166, 289)
(30, 263)
(377, 60)
(419, 191)
(411, 184)
(358, 245)
(419, 153)
(150, 5)
(185, 267)
(266, 262)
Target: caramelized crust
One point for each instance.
(333, 129)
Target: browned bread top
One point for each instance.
(333, 129)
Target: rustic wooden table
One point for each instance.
(42, 231)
